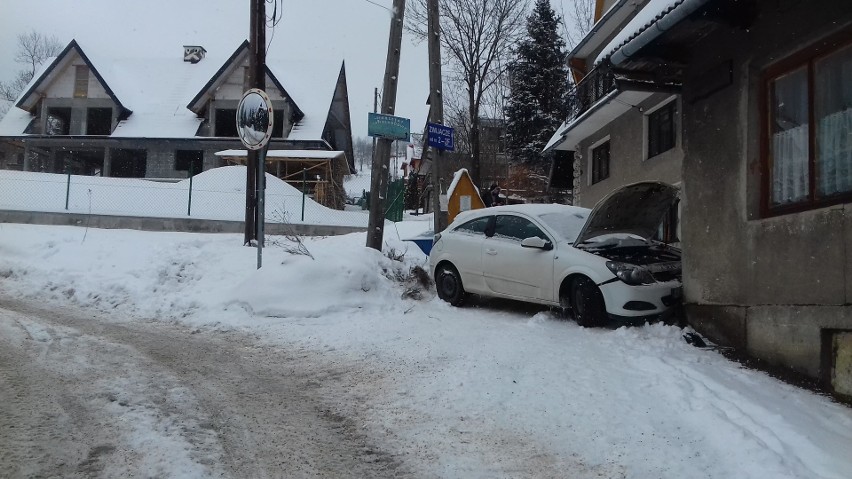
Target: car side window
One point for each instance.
(476, 227)
(516, 228)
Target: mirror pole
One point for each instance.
(261, 202)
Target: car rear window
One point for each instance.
(567, 225)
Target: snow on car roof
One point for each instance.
(532, 209)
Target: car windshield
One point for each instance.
(566, 225)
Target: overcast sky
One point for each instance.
(352, 30)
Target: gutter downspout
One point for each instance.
(664, 24)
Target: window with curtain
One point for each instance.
(809, 137)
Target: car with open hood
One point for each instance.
(602, 263)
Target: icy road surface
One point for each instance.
(80, 397)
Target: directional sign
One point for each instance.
(439, 136)
(388, 126)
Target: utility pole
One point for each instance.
(381, 156)
(257, 79)
(375, 110)
(436, 108)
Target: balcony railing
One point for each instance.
(595, 85)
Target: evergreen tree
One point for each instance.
(538, 99)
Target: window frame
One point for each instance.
(670, 102)
(806, 57)
(81, 81)
(596, 147)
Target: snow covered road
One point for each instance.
(81, 397)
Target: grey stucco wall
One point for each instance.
(766, 284)
(627, 157)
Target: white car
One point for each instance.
(600, 263)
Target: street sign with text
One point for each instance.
(388, 126)
(439, 136)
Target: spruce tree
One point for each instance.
(537, 102)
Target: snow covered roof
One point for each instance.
(608, 23)
(656, 17)
(286, 154)
(155, 91)
(456, 178)
(32, 93)
(610, 107)
(311, 81)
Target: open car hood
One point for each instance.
(636, 209)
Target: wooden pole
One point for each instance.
(436, 108)
(381, 156)
(257, 79)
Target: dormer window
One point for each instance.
(81, 81)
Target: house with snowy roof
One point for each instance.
(89, 113)
(761, 126)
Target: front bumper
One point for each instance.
(643, 301)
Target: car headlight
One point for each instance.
(630, 274)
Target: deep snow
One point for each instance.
(489, 390)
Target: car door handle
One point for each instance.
(492, 252)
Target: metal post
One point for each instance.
(261, 199)
(304, 190)
(189, 203)
(68, 184)
(381, 157)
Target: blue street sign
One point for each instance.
(388, 126)
(439, 136)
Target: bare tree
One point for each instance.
(477, 35)
(578, 21)
(34, 48)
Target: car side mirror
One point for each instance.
(536, 242)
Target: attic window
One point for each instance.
(81, 81)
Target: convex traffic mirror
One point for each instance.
(254, 119)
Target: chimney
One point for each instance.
(193, 53)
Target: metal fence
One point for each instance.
(217, 194)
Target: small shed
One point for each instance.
(462, 195)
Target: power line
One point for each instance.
(379, 5)
(272, 22)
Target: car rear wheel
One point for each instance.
(449, 285)
(587, 303)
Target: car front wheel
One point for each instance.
(587, 303)
(449, 285)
